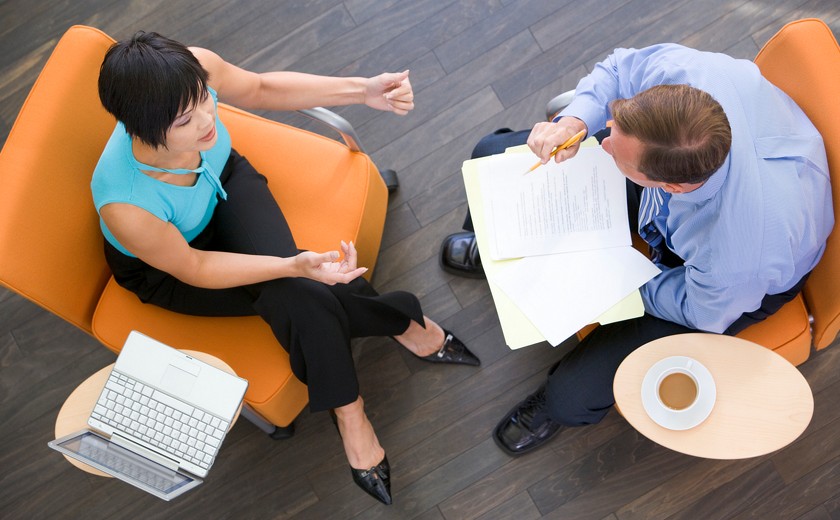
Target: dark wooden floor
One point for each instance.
(476, 65)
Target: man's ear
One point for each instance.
(676, 188)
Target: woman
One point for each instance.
(190, 226)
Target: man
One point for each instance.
(731, 189)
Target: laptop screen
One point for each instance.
(99, 452)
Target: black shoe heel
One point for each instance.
(375, 481)
(453, 351)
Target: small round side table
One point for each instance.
(763, 402)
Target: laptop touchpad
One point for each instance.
(177, 381)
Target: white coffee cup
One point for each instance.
(678, 388)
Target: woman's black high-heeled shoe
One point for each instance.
(375, 481)
(452, 351)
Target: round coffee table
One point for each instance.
(763, 402)
(76, 409)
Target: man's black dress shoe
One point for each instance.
(459, 255)
(375, 481)
(452, 351)
(527, 426)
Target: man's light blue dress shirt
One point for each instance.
(759, 224)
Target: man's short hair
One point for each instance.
(146, 81)
(684, 132)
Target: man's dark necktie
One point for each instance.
(653, 209)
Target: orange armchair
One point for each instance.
(803, 59)
(51, 248)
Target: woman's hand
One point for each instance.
(545, 137)
(390, 92)
(323, 267)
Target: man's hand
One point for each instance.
(323, 267)
(390, 92)
(545, 137)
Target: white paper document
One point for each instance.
(561, 293)
(575, 205)
(541, 295)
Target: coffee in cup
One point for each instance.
(677, 389)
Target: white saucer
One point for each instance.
(673, 419)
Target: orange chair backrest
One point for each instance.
(803, 59)
(327, 192)
(50, 244)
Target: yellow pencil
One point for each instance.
(569, 142)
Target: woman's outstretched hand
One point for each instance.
(324, 267)
(391, 92)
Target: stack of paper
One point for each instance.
(555, 243)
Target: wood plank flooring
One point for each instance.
(476, 65)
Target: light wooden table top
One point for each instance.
(76, 409)
(763, 402)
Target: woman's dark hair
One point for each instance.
(146, 81)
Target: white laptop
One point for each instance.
(160, 419)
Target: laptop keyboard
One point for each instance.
(160, 420)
